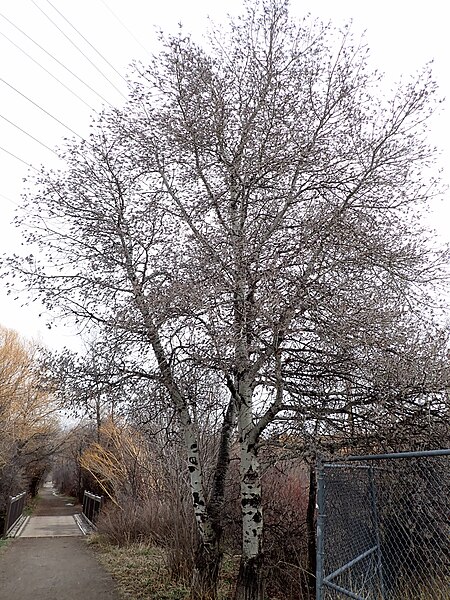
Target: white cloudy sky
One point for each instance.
(403, 36)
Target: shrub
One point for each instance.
(165, 521)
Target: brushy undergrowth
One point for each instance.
(142, 571)
(30, 506)
(433, 590)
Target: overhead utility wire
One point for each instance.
(47, 71)
(58, 61)
(40, 108)
(8, 199)
(125, 27)
(88, 42)
(18, 158)
(78, 48)
(28, 134)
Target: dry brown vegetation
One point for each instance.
(142, 572)
(146, 530)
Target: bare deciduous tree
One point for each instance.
(257, 200)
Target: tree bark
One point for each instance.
(217, 498)
(208, 559)
(207, 562)
(249, 584)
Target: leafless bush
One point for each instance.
(65, 476)
(285, 497)
(165, 521)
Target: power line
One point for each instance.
(6, 197)
(125, 27)
(28, 134)
(88, 42)
(40, 108)
(78, 48)
(47, 71)
(18, 158)
(56, 60)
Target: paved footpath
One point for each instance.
(51, 560)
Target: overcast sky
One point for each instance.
(402, 35)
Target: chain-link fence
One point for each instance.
(384, 527)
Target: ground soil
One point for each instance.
(53, 568)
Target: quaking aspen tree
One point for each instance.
(256, 198)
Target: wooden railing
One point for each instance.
(92, 505)
(14, 511)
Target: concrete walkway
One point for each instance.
(50, 527)
(51, 560)
(53, 516)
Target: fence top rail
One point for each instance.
(18, 497)
(93, 496)
(393, 455)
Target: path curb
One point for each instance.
(84, 524)
(18, 527)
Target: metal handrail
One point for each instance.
(92, 505)
(14, 511)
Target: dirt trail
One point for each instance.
(53, 568)
(52, 504)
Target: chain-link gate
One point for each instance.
(383, 527)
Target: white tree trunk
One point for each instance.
(196, 478)
(249, 585)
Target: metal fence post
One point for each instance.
(320, 528)
(376, 527)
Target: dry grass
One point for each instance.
(154, 523)
(141, 571)
(437, 590)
